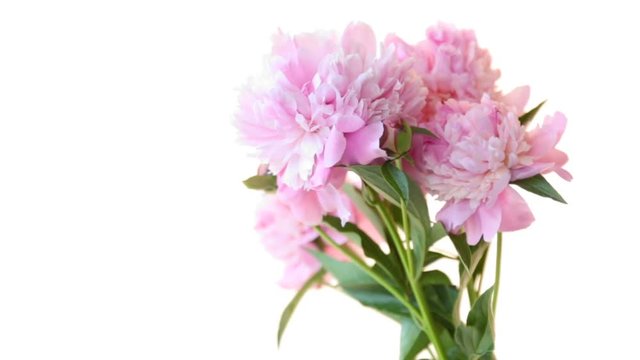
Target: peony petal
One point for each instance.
(402, 49)
(517, 99)
(299, 271)
(332, 201)
(304, 204)
(349, 123)
(454, 214)
(545, 138)
(490, 218)
(358, 38)
(516, 214)
(334, 148)
(363, 146)
(546, 158)
(473, 228)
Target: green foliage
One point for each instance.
(387, 262)
(363, 205)
(359, 285)
(396, 187)
(422, 131)
(397, 180)
(261, 182)
(412, 340)
(464, 251)
(372, 175)
(527, 117)
(476, 338)
(404, 138)
(539, 185)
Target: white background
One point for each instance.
(125, 232)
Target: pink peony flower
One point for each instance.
(546, 158)
(289, 239)
(451, 63)
(480, 148)
(327, 104)
(309, 206)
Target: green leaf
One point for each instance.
(359, 201)
(403, 139)
(432, 257)
(539, 185)
(397, 179)
(261, 182)
(422, 131)
(389, 264)
(434, 277)
(372, 175)
(416, 205)
(467, 339)
(412, 340)
(526, 118)
(438, 231)
(359, 285)
(440, 296)
(293, 304)
(350, 230)
(442, 300)
(481, 318)
(420, 243)
(466, 272)
(476, 338)
(464, 251)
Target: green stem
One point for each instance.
(360, 263)
(395, 237)
(484, 266)
(407, 262)
(406, 227)
(426, 318)
(471, 291)
(496, 285)
(465, 277)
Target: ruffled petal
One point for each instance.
(517, 99)
(349, 123)
(491, 218)
(363, 146)
(358, 38)
(454, 214)
(516, 214)
(473, 228)
(334, 148)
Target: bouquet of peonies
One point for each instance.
(353, 140)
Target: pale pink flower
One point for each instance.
(327, 104)
(546, 158)
(288, 239)
(309, 206)
(478, 150)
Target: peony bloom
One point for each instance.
(309, 206)
(480, 148)
(288, 239)
(451, 63)
(327, 104)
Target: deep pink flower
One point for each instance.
(478, 150)
(327, 104)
